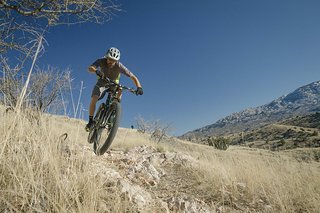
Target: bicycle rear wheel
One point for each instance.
(112, 124)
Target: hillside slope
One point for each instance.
(296, 132)
(42, 171)
(303, 100)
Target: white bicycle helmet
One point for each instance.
(113, 53)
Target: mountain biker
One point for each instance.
(110, 67)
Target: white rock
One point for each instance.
(135, 193)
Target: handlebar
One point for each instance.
(98, 72)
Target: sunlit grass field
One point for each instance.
(41, 171)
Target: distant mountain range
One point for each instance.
(303, 100)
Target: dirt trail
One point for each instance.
(152, 180)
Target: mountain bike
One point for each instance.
(107, 118)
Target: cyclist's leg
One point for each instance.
(92, 107)
(94, 99)
(93, 102)
(95, 95)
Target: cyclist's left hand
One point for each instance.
(139, 91)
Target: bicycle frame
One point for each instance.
(112, 95)
(107, 117)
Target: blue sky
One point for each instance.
(198, 61)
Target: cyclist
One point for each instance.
(110, 67)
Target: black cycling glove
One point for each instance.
(139, 91)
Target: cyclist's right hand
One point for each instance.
(92, 69)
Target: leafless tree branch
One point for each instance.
(25, 20)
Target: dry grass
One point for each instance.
(246, 179)
(40, 172)
(129, 138)
(255, 180)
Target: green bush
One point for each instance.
(220, 142)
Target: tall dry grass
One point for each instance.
(242, 179)
(254, 180)
(42, 172)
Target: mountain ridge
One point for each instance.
(304, 100)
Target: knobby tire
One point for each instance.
(115, 110)
(93, 134)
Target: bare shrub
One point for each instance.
(157, 130)
(11, 83)
(43, 91)
(45, 87)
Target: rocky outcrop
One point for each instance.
(137, 172)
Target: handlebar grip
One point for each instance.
(99, 73)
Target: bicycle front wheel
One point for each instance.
(93, 135)
(112, 124)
